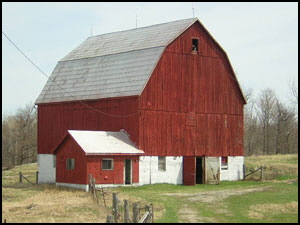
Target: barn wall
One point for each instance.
(55, 119)
(192, 105)
(70, 149)
(235, 169)
(47, 171)
(149, 173)
(115, 176)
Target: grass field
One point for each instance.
(274, 200)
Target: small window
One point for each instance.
(107, 164)
(161, 163)
(70, 164)
(224, 162)
(195, 46)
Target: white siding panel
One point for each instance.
(149, 173)
(235, 169)
(47, 173)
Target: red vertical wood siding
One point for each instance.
(115, 176)
(55, 119)
(85, 165)
(69, 149)
(191, 106)
(185, 85)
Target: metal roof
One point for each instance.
(103, 142)
(111, 65)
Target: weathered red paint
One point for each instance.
(55, 119)
(70, 149)
(192, 104)
(90, 164)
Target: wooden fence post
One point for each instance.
(152, 212)
(149, 218)
(136, 213)
(37, 177)
(261, 173)
(115, 207)
(94, 190)
(20, 177)
(90, 183)
(109, 219)
(126, 211)
(103, 195)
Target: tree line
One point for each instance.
(19, 137)
(270, 127)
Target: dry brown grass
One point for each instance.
(260, 211)
(55, 205)
(275, 166)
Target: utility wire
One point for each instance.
(81, 102)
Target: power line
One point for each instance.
(81, 102)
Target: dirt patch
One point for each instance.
(259, 211)
(215, 196)
(285, 181)
(189, 215)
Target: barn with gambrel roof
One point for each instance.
(157, 104)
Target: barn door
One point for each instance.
(189, 170)
(212, 170)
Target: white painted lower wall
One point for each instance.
(47, 171)
(235, 169)
(149, 173)
(84, 187)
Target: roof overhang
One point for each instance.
(102, 142)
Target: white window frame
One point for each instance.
(224, 167)
(112, 164)
(162, 163)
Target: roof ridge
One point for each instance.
(195, 18)
(89, 57)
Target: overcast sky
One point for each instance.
(260, 39)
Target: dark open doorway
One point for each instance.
(199, 170)
(127, 171)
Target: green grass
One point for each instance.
(236, 207)
(278, 194)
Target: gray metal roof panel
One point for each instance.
(134, 39)
(111, 79)
(111, 65)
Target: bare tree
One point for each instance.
(284, 120)
(250, 124)
(294, 90)
(19, 137)
(266, 111)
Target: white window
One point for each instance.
(107, 164)
(224, 162)
(70, 163)
(161, 163)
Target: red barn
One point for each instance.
(169, 90)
